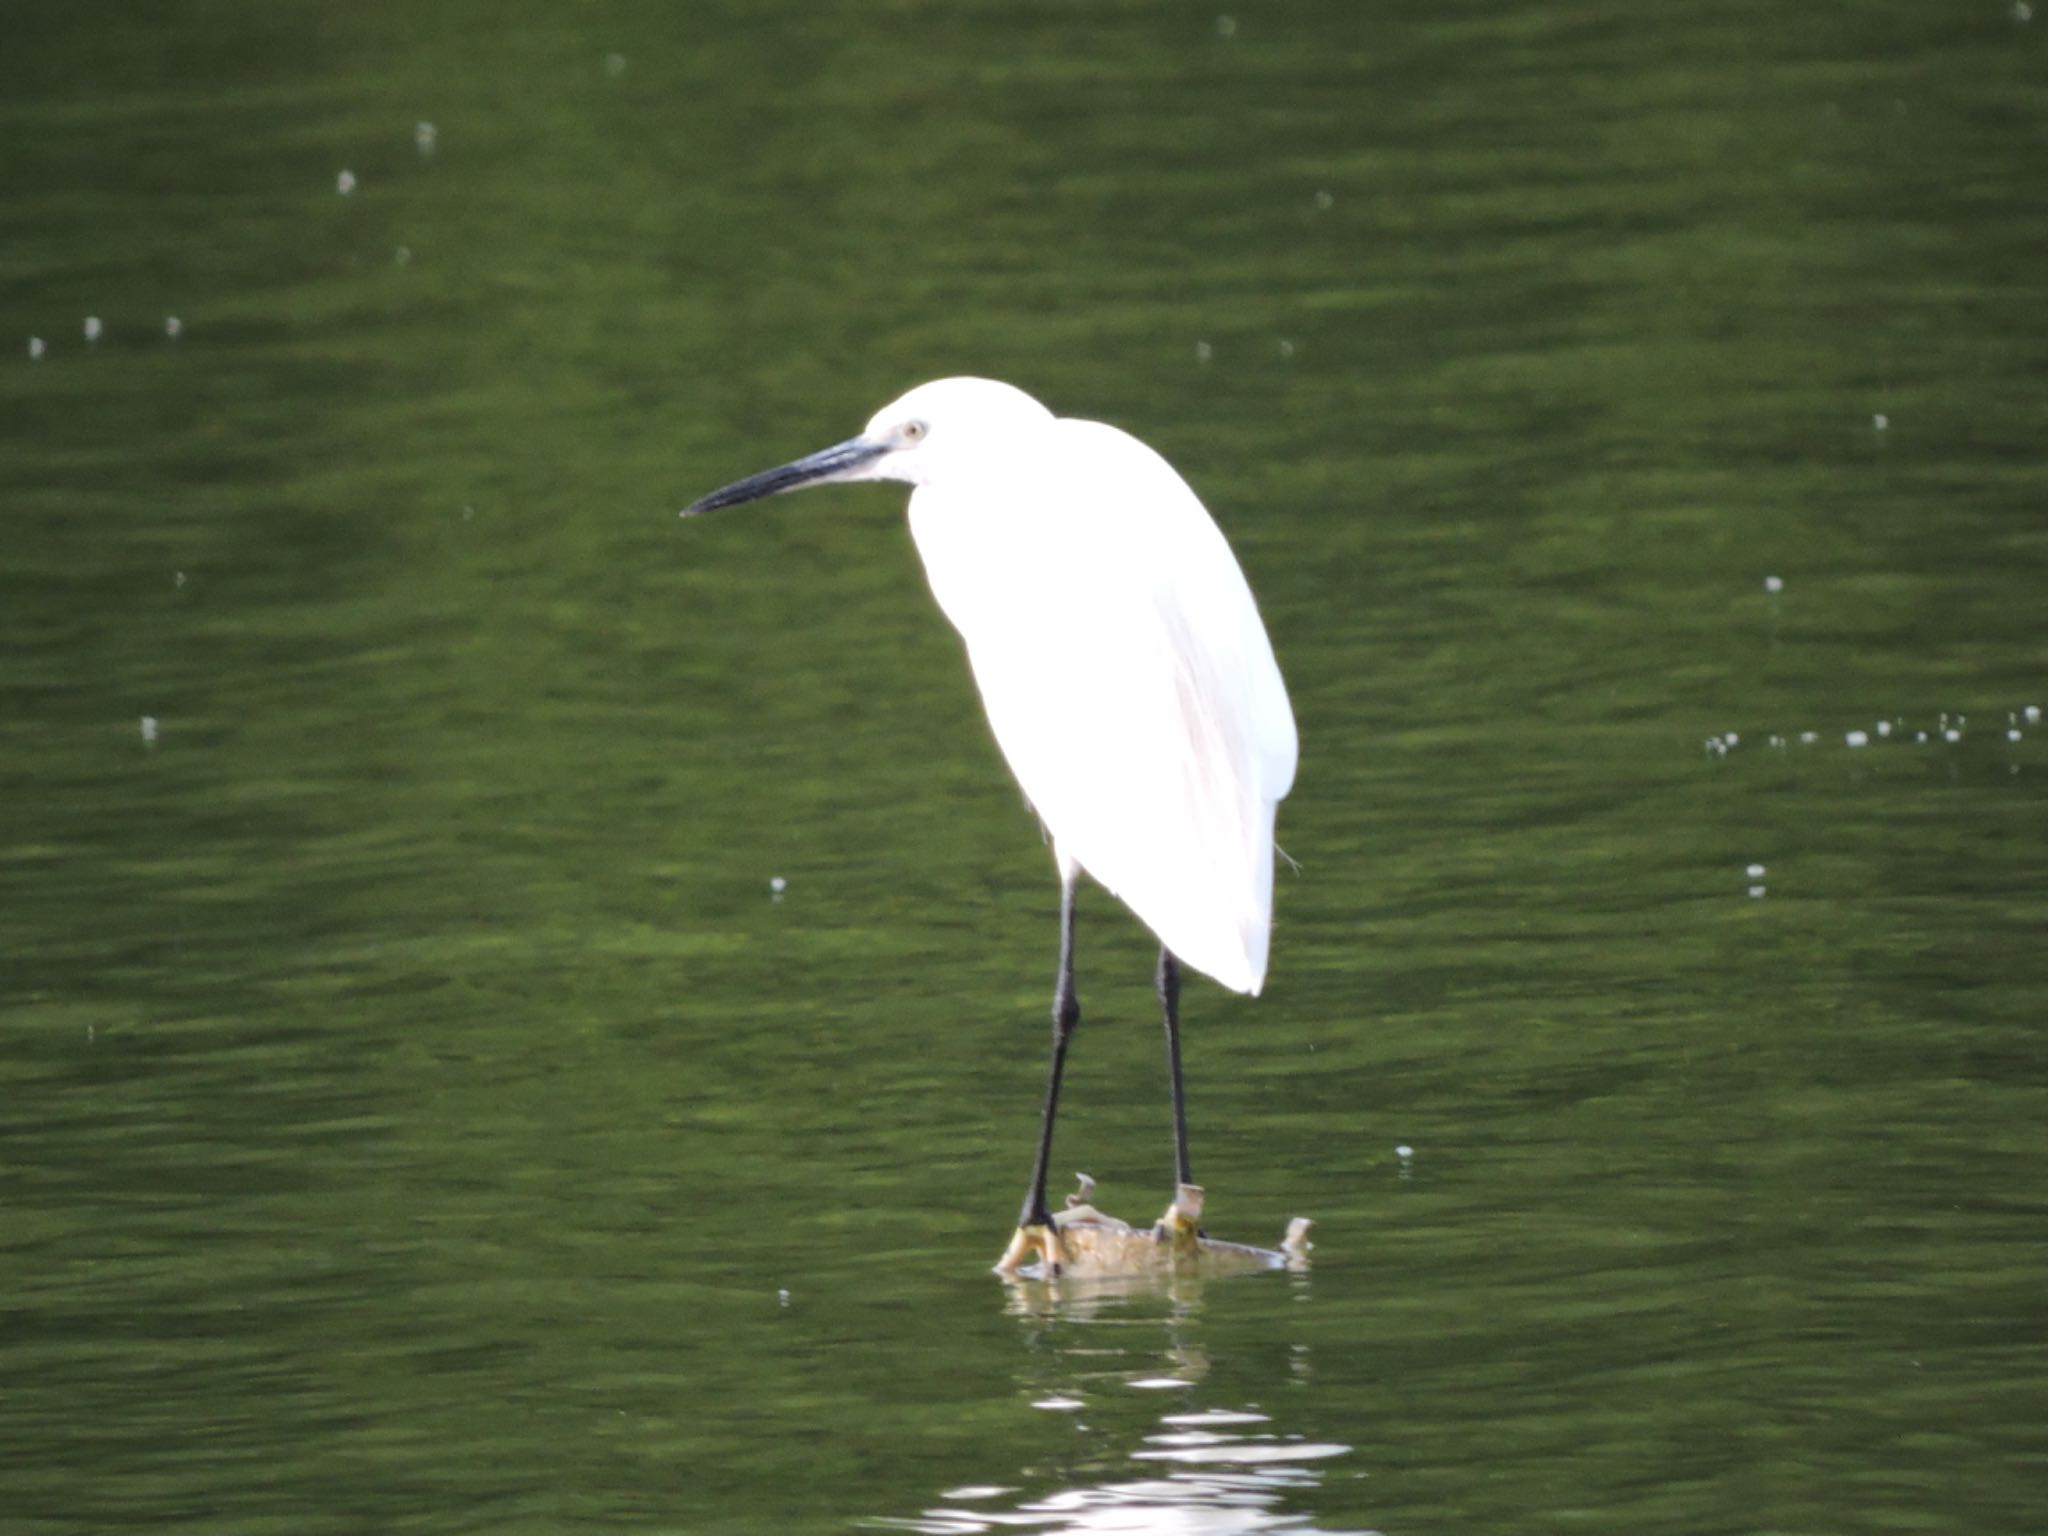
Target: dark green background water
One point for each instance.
(418, 1115)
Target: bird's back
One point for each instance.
(1127, 677)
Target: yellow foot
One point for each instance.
(1041, 1240)
(1181, 1226)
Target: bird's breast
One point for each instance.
(987, 569)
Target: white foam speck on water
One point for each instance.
(776, 886)
(173, 327)
(93, 329)
(1880, 422)
(1755, 871)
(1226, 26)
(36, 349)
(149, 730)
(345, 183)
(2012, 733)
(1159, 1383)
(1884, 727)
(1808, 738)
(1857, 738)
(1774, 583)
(2033, 714)
(1951, 735)
(1060, 1404)
(1404, 1152)
(403, 256)
(1757, 890)
(424, 136)
(615, 64)
(178, 580)
(1325, 201)
(1203, 352)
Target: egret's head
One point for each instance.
(938, 428)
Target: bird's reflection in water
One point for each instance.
(1098, 1351)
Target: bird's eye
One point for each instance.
(912, 432)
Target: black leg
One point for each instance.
(1169, 1004)
(1066, 1013)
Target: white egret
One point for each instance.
(1126, 674)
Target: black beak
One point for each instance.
(834, 463)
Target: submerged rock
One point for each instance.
(1088, 1243)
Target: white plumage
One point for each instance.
(1126, 675)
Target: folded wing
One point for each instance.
(1131, 686)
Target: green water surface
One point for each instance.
(419, 1113)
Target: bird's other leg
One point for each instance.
(1035, 1230)
(1183, 1217)
(1169, 1005)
